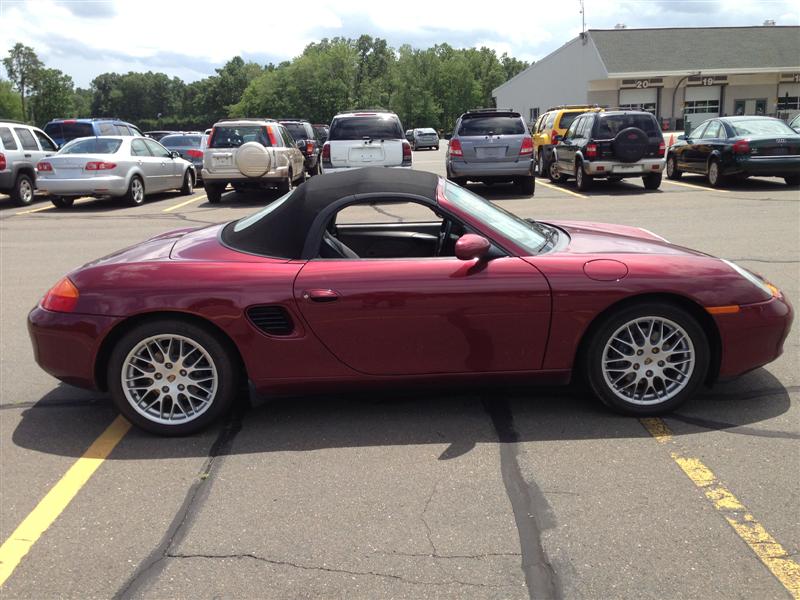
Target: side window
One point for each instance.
(138, 148)
(573, 131)
(288, 140)
(122, 129)
(698, 132)
(107, 129)
(712, 131)
(45, 142)
(550, 121)
(9, 143)
(135, 131)
(157, 149)
(588, 124)
(26, 139)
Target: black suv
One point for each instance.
(610, 145)
(308, 142)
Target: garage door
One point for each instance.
(789, 99)
(701, 103)
(644, 99)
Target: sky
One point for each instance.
(190, 38)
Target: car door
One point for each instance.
(567, 148)
(165, 177)
(149, 165)
(31, 151)
(710, 140)
(47, 145)
(296, 158)
(689, 155)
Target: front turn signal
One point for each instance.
(62, 297)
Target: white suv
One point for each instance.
(365, 139)
(21, 148)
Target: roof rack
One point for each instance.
(244, 119)
(490, 109)
(573, 106)
(367, 109)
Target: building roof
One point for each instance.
(687, 49)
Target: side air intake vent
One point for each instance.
(274, 320)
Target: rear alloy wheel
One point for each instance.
(715, 177)
(214, 192)
(553, 172)
(187, 189)
(135, 195)
(62, 201)
(22, 193)
(582, 180)
(652, 181)
(171, 377)
(673, 172)
(647, 359)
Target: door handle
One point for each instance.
(321, 295)
(27, 156)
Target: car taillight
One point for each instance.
(62, 297)
(273, 140)
(44, 166)
(527, 146)
(662, 147)
(100, 166)
(741, 147)
(406, 153)
(210, 139)
(309, 147)
(3, 163)
(455, 148)
(194, 153)
(591, 151)
(326, 152)
(554, 137)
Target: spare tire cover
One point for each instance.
(253, 159)
(630, 144)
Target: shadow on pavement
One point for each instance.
(460, 419)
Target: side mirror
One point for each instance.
(683, 137)
(471, 246)
(175, 154)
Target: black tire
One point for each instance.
(673, 172)
(220, 354)
(543, 165)
(214, 192)
(23, 191)
(582, 181)
(553, 172)
(601, 335)
(652, 181)
(793, 180)
(62, 201)
(714, 173)
(287, 185)
(527, 185)
(187, 189)
(135, 194)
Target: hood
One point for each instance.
(606, 238)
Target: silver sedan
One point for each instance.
(117, 166)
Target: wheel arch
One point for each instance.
(123, 327)
(26, 169)
(704, 319)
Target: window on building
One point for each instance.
(789, 103)
(694, 107)
(647, 107)
(534, 114)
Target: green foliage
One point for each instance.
(53, 95)
(22, 64)
(10, 103)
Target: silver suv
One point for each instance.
(21, 148)
(365, 139)
(250, 154)
(491, 145)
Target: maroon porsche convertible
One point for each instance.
(299, 298)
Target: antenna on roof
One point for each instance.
(583, 22)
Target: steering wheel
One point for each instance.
(444, 235)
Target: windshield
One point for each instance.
(357, 128)
(525, 233)
(96, 145)
(493, 125)
(762, 127)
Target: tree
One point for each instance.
(10, 105)
(53, 95)
(22, 64)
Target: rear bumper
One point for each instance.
(65, 345)
(273, 176)
(618, 169)
(767, 166)
(6, 181)
(112, 185)
(343, 169)
(518, 168)
(754, 336)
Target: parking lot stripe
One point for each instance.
(765, 547)
(189, 201)
(694, 186)
(34, 210)
(561, 189)
(58, 498)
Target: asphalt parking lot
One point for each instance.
(504, 493)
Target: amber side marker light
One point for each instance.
(723, 310)
(62, 297)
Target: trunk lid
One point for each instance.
(771, 145)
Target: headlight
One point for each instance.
(764, 286)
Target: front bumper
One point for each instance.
(65, 345)
(110, 185)
(642, 167)
(753, 336)
(517, 168)
(765, 166)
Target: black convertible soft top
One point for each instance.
(282, 232)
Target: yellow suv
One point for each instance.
(550, 127)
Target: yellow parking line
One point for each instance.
(189, 201)
(58, 498)
(695, 186)
(561, 189)
(765, 547)
(34, 210)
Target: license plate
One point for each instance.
(627, 168)
(223, 160)
(369, 156)
(491, 152)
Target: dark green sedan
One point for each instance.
(737, 147)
